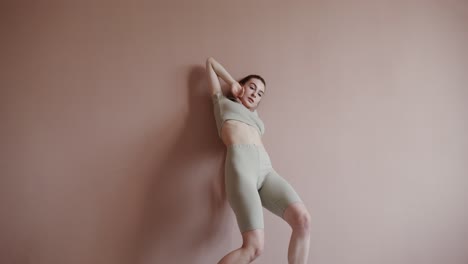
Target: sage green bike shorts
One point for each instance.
(251, 182)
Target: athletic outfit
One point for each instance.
(250, 180)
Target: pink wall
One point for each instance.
(108, 144)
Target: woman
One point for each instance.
(250, 180)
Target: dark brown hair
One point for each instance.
(244, 80)
(248, 77)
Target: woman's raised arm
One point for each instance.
(214, 70)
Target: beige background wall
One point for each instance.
(108, 143)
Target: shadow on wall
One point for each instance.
(185, 207)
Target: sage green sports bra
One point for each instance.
(226, 109)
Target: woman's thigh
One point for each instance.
(277, 194)
(241, 175)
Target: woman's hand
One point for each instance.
(237, 90)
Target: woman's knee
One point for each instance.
(298, 217)
(254, 243)
(255, 250)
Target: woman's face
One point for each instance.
(253, 92)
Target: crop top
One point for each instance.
(225, 109)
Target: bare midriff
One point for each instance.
(236, 132)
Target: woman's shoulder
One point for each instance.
(221, 96)
(217, 96)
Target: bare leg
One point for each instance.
(252, 247)
(298, 218)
